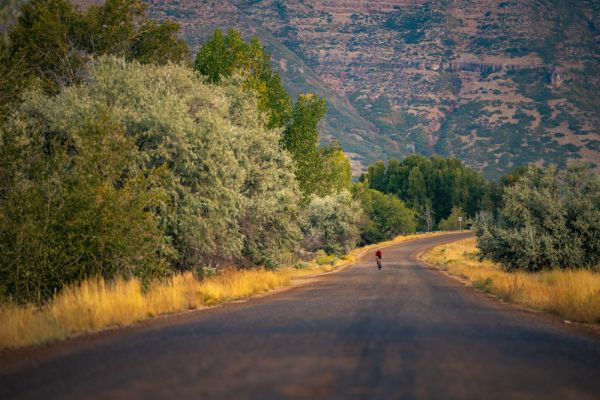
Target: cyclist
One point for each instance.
(379, 257)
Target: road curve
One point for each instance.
(406, 332)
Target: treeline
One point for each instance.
(531, 219)
(121, 156)
(437, 189)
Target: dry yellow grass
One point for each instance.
(96, 304)
(570, 294)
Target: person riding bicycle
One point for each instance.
(379, 257)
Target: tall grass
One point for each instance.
(97, 304)
(570, 294)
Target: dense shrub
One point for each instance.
(331, 223)
(386, 215)
(452, 223)
(548, 219)
(137, 167)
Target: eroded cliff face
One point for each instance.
(496, 83)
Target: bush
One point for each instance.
(549, 219)
(323, 259)
(330, 223)
(451, 223)
(74, 205)
(138, 167)
(387, 216)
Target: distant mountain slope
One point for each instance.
(497, 83)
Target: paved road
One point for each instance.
(405, 332)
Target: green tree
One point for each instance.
(43, 42)
(432, 186)
(222, 56)
(377, 176)
(452, 223)
(52, 41)
(77, 205)
(133, 146)
(122, 28)
(387, 216)
(301, 139)
(158, 43)
(270, 202)
(336, 174)
(416, 189)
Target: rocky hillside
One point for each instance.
(496, 83)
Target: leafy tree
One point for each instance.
(377, 176)
(52, 40)
(426, 214)
(432, 186)
(336, 174)
(301, 139)
(122, 28)
(387, 216)
(318, 170)
(416, 188)
(222, 56)
(44, 42)
(549, 219)
(270, 202)
(158, 44)
(492, 198)
(330, 223)
(76, 204)
(451, 223)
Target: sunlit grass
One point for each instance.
(571, 294)
(96, 304)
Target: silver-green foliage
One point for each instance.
(331, 223)
(138, 167)
(549, 219)
(73, 202)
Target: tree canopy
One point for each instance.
(52, 40)
(223, 55)
(430, 186)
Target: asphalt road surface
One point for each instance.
(406, 332)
